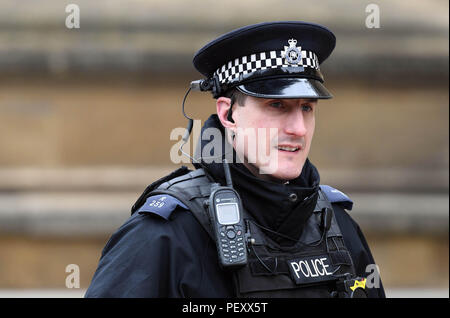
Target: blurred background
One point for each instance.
(86, 115)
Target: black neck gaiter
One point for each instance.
(282, 208)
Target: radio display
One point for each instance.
(227, 213)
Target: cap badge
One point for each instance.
(292, 53)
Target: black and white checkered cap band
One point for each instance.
(261, 61)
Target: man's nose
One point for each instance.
(295, 125)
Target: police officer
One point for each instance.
(298, 239)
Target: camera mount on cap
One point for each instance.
(211, 84)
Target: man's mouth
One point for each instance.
(289, 148)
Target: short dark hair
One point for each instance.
(236, 96)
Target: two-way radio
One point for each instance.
(224, 208)
(225, 211)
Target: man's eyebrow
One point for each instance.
(311, 100)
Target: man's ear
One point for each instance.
(223, 106)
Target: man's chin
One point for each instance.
(280, 175)
(285, 176)
(276, 170)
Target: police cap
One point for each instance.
(268, 60)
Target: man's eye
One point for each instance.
(276, 104)
(306, 108)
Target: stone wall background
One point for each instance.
(86, 115)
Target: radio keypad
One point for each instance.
(232, 243)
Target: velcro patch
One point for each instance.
(309, 270)
(161, 204)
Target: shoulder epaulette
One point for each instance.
(161, 204)
(336, 196)
(179, 172)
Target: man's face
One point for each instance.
(281, 129)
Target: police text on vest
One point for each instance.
(311, 269)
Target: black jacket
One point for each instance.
(150, 256)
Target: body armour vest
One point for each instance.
(317, 265)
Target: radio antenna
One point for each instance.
(226, 169)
